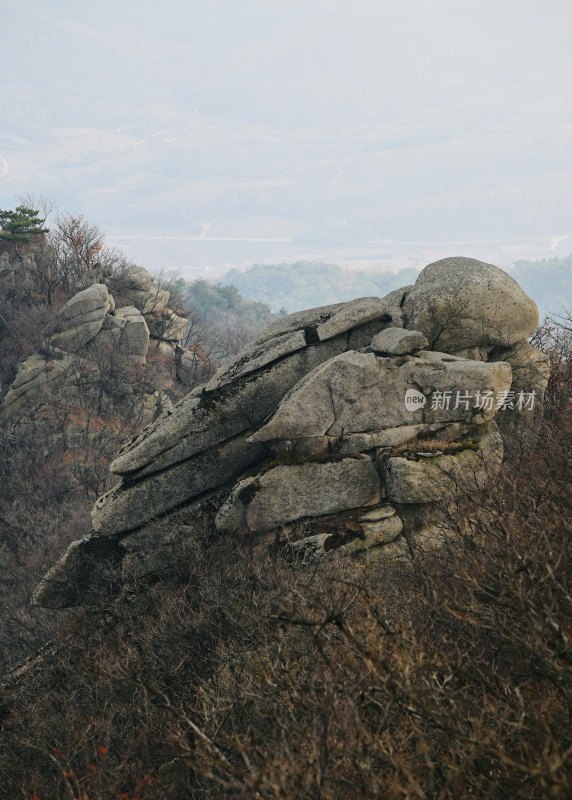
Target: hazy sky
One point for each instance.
(337, 122)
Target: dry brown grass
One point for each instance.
(257, 678)
(451, 679)
(432, 446)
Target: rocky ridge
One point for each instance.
(94, 334)
(344, 428)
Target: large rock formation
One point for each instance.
(80, 320)
(336, 429)
(93, 335)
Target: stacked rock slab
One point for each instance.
(205, 443)
(308, 430)
(81, 318)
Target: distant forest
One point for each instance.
(303, 284)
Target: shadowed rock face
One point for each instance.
(37, 377)
(309, 424)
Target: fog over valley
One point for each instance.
(375, 135)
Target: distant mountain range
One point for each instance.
(229, 133)
(304, 284)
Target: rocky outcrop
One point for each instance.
(461, 303)
(397, 342)
(340, 428)
(80, 320)
(133, 340)
(138, 289)
(38, 377)
(94, 335)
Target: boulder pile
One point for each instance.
(343, 427)
(95, 334)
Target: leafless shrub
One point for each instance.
(447, 678)
(24, 327)
(554, 337)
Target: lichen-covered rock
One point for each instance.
(397, 342)
(127, 507)
(287, 493)
(107, 340)
(462, 303)
(80, 319)
(137, 287)
(337, 429)
(205, 418)
(360, 393)
(134, 338)
(325, 322)
(37, 379)
(428, 477)
(136, 278)
(295, 332)
(124, 335)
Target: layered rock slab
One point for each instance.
(260, 377)
(156, 460)
(129, 506)
(287, 493)
(81, 318)
(297, 331)
(359, 393)
(429, 477)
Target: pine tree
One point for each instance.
(20, 225)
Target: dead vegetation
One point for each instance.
(431, 446)
(257, 678)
